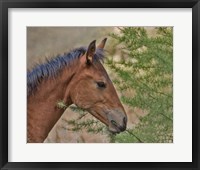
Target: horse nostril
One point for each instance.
(114, 123)
(121, 128)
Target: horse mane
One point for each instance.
(52, 67)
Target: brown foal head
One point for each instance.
(92, 90)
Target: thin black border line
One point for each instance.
(100, 3)
(5, 4)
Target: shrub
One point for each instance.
(146, 67)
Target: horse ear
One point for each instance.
(90, 52)
(102, 44)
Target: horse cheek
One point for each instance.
(78, 98)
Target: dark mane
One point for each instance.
(52, 67)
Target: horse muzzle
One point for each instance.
(117, 121)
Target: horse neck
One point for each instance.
(43, 112)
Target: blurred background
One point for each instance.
(139, 61)
(49, 41)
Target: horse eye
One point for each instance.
(101, 84)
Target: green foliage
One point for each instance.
(60, 104)
(146, 66)
(90, 125)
